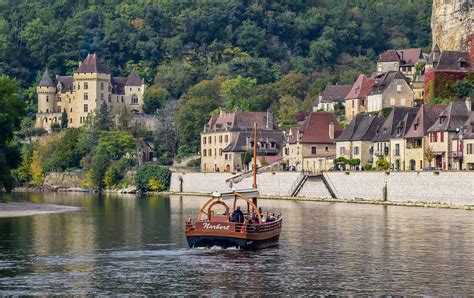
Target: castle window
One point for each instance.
(78, 86)
(47, 110)
(59, 109)
(70, 110)
(86, 108)
(122, 98)
(70, 120)
(101, 86)
(134, 99)
(86, 86)
(69, 100)
(102, 96)
(59, 99)
(86, 96)
(47, 98)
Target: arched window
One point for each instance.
(134, 99)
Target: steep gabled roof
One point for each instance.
(451, 60)
(240, 121)
(293, 135)
(316, 128)
(424, 119)
(451, 118)
(469, 127)
(133, 80)
(242, 142)
(334, 93)
(361, 128)
(384, 80)
(407, 57)
(118, 85)
(91, 64)
(390, 124)
(46, 80)
(361, 87)
(403, 125)
(66, 82)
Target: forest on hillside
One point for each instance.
(201, 56)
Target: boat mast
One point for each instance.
(255, 160)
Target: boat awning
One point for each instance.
(250, 193)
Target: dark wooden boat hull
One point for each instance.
(226, 242)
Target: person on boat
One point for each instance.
(238, 215)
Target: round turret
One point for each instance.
(46, 91)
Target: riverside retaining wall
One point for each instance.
(456, 188)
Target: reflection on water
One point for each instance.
(136, 245)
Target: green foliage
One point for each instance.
(368, 167)
(239, 93)
(439, 101)
(116, 172)
(247, 158)
(352, 162)
(11, 111)
(64, 119)
(152, 177)
(195, 163)
(382, 163)
(103, 120)
(463, 88)
(154, 98)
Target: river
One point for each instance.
(135, 245)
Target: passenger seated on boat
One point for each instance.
(238, 215)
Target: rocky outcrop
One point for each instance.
(64, 180)
(451, 23)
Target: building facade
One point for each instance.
(356, 100)
(83, 93)
(391, 89)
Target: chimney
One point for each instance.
(269, 119)
(331, 130)
(469, 104)
(401, 52)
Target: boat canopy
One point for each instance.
(249, 193)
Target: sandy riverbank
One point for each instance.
(18, 209)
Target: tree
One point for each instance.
(293, 84)
(64, 119)
(154, 98)
(429, 155)
(103, 119)
(288, 106)
(152, 177)
(382, 163)
(239, 93)
(11, 111)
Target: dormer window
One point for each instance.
(442, 119)
(462, 63)
(415, 127)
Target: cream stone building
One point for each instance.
(356, 99)
(465, 141)
(356, 140)
(404, 60)
(312, 147)
(227, 139)
(391, 89)
(85, 92)
(397, 141)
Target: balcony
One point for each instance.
(456, 154)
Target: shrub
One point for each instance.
(152, 177)
(382, 163)
(195, 163)
(368, 167)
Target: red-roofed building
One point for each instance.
(356, 100)
(312, 146)
(399, 60)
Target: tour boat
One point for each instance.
(257, 229)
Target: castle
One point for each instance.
(85, 92)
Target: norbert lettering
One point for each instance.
(208, 226)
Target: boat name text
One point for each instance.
(209, 226)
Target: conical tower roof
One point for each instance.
(46, 80)
(92, 64)
(133, 79)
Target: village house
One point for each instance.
(355, 142)
(397, 141)
(391, 89)
(464, 142)
(445, 69)
(404, 61)
(441, 134)
(332, 97)
(227, 140)
(416, 138)
(85, 92)
(381, 141)
(312, 146)
(356, 99)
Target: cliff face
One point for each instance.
(451, 23)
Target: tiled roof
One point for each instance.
(46, 80)
(403, 125)
(361, 87)
(390, 124)
(240, 121)
(118, 85)
(133, 80)
(92, 64)
(469, 127)
(451, 118)
(424, 119)
(384, 80)
(242, 142)
(293, 135)
(67, 83)
(362, 128)
(453, 60)
(407, 57)
(316, 128)
(334, 93)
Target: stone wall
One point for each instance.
(64, 179)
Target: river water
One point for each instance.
(135, 245)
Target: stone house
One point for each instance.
(445, 69)
(84, 92)
(355, 142)
(464, 142)
(356, 99)
(442, 133)
(400, 60)
(332, 96)
(381, 141)
(416, 138)
(312, 146)
(398, 143)
(228, 137)
(391, 89)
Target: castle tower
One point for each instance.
(134, 90)
(46, 92)
(451, 24)
(92, 88)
